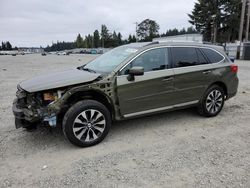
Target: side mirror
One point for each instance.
(135, 71)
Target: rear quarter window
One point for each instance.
(213, 56)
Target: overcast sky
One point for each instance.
(39, 22)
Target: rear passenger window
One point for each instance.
(183, 57)
(202, 59)
(213, 56)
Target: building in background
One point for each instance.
(181, 38)
(31, 50)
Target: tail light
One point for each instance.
(234, 68)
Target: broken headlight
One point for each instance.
(51, 96)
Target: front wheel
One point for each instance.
(212, 102)
(86, 123)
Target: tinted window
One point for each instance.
(202, 59)
(212, 55)
(183, 57)
(153, 60)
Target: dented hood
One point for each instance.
(57, 80)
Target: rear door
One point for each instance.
(192, 74)
(151, 91)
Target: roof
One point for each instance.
(146, 45)
(138, 44)
(186, 44)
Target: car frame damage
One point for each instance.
(29, 109)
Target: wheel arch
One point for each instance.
(92, 95)
(222, 85)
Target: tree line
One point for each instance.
(217, 20)
(146, 31)
(6, 46)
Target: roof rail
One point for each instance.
(179, 41)
(152, 43)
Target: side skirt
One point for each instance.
(152, 111)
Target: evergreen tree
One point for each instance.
(105, 36)
(79, 41)
(172, 32)
(89, 41)
(131, 39)
(97, 42)
(3, 46)
(119, 36)
(217, 20)
(60, 46)
(182, 31)
(231, 20)
(8, 46)
(115, 40)
(191, 30)
(134, 38)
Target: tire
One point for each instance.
(86, 123)
(30, 127)
(212, 101)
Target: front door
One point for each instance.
(152, 91)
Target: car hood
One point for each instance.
(57, 80)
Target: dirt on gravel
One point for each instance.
(175, 149)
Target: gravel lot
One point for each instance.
(176, 149)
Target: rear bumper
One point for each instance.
(230, 95)
(232, 87)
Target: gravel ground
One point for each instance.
(176, 149)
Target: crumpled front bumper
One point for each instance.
(23, 116)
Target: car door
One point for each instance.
(192, 73)
(151, 91)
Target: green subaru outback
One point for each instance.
(129, 81)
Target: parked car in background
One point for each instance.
(129, 81)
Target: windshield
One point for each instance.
(107, 62)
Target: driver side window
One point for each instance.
(152, 60)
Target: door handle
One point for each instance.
(207, 72)
(168, 79)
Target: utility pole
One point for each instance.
(214, 29)
(248, 21)
(243, 10)
(241, 26)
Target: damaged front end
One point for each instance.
(31, 108)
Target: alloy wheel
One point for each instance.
(214, 101)
(89, 125)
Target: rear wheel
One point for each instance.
(86, 123)
(212, 102)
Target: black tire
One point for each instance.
(30, 127)
(207, 110)
(81, 116)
